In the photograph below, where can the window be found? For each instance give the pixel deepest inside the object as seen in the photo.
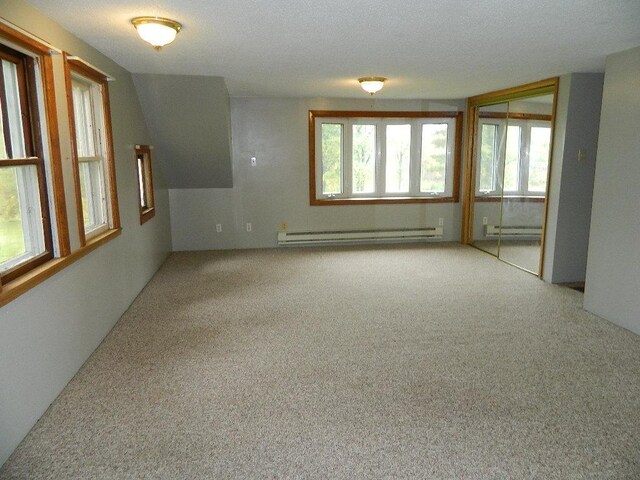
(25, 227)
(524, 145)
(145, 183)
(384, 157)
(94, 167)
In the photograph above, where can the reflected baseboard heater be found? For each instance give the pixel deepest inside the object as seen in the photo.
(513, 231)
(358, 236)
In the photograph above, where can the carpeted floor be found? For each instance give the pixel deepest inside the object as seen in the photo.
(414, 361)
(523, 253)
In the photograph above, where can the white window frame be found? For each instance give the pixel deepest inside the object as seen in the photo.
(500, 145)
(96, 195)
(381, 122)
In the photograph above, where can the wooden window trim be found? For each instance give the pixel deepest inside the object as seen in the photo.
(34, 131)
(148, 213)
(457, 159)
(508, 198)
(24, 41)
(73, 65)
(516, 116)
(13, 289)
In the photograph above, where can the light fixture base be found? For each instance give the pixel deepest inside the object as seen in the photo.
(372, 85)
(157, 31)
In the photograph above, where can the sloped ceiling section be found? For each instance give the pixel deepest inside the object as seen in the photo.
(189, 119)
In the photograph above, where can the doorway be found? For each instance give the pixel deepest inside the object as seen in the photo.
(509, 139)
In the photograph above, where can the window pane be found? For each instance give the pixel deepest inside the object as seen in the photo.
(3, 147)
(398, 158)
(433, 160)
(331, 158)
(93, 201)
(21, 234)
(14, 112)
(512, 159)
(539, 158)
(488, 152)
(364, 158)
(83, 116)
(141, 182)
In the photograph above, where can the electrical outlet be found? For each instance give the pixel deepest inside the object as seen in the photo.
(485, 220)
(218, 227)
(441, 221)
(254, 161)
(249, 227)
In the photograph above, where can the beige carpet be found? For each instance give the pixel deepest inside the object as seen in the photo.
(419, 361)
(523, 253)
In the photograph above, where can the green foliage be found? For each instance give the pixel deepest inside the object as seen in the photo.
(363, 158)
(434, 158)
(11, 239)
(398, 157)
(511, 181)
(539, 158)
(9, 206)
(331, 158)
(488, 155)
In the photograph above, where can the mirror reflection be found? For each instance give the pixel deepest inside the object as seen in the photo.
(513, 141)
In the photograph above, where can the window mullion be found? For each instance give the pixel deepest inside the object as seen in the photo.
(501, 159)
(381, 141)
(415, 157)
(319, 158)
(449, 162)
(5, 114)
(347, 160)
(524, 158)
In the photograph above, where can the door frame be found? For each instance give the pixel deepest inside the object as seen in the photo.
(534, 89)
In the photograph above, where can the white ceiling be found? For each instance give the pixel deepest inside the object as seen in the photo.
(430, 49)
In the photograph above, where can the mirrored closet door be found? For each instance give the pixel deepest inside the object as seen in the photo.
(508, 174)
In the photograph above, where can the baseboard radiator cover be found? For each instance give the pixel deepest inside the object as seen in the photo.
(513, 231)
(359, 236)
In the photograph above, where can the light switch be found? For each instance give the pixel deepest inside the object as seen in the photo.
(582, 155)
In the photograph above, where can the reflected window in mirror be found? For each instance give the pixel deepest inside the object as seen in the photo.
(513, 157)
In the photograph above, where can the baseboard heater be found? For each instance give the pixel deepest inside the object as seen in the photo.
(358, 236)
(513, 231)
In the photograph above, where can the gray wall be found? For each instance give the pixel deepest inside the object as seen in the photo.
(276, 190)
(613, 268)
(190, 125)
(48, 333)
(570, 194)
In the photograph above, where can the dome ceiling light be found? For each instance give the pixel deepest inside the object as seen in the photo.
(156, 30)
(372, 84)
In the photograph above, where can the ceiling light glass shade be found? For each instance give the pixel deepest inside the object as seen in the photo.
(372, 84)
(156, 31)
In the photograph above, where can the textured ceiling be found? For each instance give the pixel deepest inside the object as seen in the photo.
(427, 48)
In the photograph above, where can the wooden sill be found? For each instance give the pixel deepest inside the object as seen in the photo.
(509, 199)
(325, 202)
(12, 290)
(147, 214)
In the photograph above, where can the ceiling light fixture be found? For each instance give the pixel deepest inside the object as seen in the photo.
(372, 84)
(156, 31)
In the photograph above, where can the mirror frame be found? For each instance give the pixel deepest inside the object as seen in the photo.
(542, 87)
